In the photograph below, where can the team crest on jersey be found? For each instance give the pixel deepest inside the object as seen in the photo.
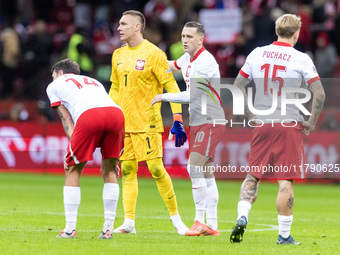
(140, 64)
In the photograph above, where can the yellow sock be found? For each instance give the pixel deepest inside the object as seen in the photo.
(164, 184)
(130, 187)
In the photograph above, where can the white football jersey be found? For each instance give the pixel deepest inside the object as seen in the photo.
(203, 65)
(78, 94)
(272, 68)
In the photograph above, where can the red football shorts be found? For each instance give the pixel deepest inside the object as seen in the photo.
(99, 127)
(205, 138)
(277, 152)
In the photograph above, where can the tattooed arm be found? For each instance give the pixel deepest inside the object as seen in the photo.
(66, 120)
(317, 105)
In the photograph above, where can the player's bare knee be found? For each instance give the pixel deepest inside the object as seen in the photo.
(74, 169)
(107, 171)
(109, 165)
(285, 186)
(252, 177)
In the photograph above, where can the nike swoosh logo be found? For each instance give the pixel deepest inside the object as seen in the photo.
(119, 63)
(148, 152)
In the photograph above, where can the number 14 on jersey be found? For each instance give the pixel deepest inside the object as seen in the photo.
(87, 81)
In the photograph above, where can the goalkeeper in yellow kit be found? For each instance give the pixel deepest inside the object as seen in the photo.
(139, 72)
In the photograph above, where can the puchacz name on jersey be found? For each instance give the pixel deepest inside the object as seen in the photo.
(276, 55)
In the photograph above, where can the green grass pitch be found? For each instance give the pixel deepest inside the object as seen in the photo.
(32, 214)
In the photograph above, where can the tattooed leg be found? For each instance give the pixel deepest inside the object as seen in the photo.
(249, 189)
(285, 198)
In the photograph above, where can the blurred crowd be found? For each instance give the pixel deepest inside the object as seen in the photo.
(34, 34)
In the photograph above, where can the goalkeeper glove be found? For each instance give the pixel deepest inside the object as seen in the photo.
(180, 135)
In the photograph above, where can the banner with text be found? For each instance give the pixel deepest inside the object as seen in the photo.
(41, 148)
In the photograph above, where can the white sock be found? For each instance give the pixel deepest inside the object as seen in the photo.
(212, 201)
(176, 219)
(71, 204)
(243, 209)
(199, 192)
(285, 222)
(110, 200)
(129, 222)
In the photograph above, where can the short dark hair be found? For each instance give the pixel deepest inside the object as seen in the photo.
(139, 15)
(199, 27)
(67, 66)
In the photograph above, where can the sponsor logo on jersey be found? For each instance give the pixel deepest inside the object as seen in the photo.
(140, 64)
(200, 74)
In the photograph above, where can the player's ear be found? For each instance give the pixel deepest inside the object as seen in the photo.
(138, 27)
(201, 40)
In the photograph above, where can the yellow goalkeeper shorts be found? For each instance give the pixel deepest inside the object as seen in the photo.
(142, 146)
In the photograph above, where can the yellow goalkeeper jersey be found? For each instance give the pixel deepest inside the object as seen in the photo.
(138, 75)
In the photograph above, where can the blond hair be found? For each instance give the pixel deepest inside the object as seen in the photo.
(139, 15)
(287, 25)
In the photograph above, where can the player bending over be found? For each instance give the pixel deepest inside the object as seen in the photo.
(90, 119)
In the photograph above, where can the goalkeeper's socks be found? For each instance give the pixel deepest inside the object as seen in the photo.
(243, 209)
(199, 192)
(176, 220)
(110, 200)
(130, 187)
(129, 222)
(71, 204)
(285, 222)
(164, 184)
(212, 202)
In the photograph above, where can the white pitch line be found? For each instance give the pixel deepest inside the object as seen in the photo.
(6, 213)
(144, 231)
(101, 215)
(270, 226)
